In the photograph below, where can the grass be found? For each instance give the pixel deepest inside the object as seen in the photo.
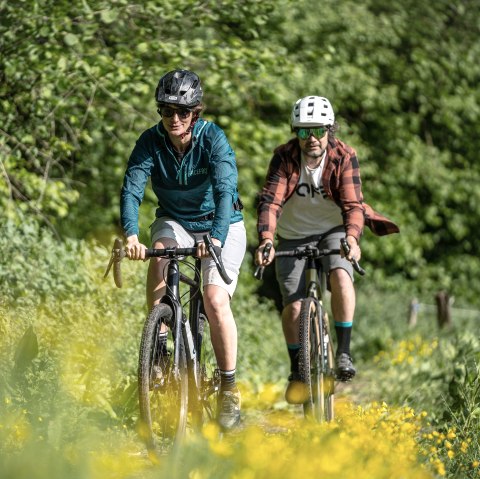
(68, 404)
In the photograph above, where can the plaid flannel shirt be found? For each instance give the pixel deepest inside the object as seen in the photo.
(340, 180)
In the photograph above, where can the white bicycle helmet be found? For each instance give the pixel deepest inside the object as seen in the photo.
(312, 111)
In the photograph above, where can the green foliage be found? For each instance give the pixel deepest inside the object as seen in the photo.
(76, 91)
(76, 87)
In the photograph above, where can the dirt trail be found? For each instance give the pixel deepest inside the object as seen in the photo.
(280, 417)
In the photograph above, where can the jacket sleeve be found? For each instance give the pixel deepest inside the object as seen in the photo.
(272, 199)
(139, 168)
(224, 177)
(350, 196)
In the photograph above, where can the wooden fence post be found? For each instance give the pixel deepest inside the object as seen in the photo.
(412, 313)
(444, 317)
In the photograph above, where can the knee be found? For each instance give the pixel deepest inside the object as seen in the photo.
(216, 303)
(292, 311)
(340, 279)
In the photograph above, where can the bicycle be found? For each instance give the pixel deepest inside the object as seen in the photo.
(316, 360)
(178, 378)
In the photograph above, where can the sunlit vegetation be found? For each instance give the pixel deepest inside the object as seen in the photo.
(68, 402)
(76, 90)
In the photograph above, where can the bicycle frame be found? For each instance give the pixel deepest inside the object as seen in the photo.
(167, 385)
(180, 324)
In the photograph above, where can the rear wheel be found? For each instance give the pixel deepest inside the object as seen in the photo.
(315, 362)
(162, 385)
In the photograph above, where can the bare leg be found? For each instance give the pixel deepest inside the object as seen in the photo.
(223, 329)
(343, 308)
(290, 324)
(155, 278)
(343, 296)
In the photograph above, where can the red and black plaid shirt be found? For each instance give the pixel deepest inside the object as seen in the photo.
(340, 180)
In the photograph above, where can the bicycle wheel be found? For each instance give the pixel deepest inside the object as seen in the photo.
(314, 362)
(328, 367)
(163, 388)
(208, 374)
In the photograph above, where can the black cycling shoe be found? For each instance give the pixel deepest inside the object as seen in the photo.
(297, 391)
(345, 370)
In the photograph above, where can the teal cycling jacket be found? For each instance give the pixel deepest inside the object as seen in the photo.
(203, 185)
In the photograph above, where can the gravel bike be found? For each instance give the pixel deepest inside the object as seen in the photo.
(316, 360)
(178, 378)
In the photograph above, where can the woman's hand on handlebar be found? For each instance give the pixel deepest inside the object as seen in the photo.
(202, 250)
(134, 249)
(265, 253)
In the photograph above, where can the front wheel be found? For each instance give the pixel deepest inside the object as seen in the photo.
(316, 361)
(162, 384)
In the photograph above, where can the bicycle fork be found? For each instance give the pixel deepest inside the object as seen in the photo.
(180, 325)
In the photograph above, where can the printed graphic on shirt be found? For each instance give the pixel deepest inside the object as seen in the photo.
(309, 211)
(306, 189)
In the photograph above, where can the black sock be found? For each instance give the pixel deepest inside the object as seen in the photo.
(293, 350)
(344, 333)
(227, 380)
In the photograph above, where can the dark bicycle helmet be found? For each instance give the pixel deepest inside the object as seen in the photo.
(179, 87)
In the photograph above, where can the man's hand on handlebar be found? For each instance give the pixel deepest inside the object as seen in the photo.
(265, 253)
(354, 253)
(134, 249)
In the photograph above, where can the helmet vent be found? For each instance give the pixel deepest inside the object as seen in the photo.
(312, 111)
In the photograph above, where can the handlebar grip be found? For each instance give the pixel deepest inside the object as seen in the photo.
(216, 254)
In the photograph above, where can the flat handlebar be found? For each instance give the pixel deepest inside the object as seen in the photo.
(118, 253)
(307, 252)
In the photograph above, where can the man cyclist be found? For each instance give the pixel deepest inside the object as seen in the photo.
(313, 193)
(194, 176)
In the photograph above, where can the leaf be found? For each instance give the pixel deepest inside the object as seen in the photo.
(70, 39)
(108, 16)
(27, 350)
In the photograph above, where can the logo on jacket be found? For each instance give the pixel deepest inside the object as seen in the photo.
(199, 171)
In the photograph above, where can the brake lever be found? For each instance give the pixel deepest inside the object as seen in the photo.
(215, 253)
(258, 274)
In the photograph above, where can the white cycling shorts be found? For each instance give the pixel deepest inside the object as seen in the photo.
(233, 250)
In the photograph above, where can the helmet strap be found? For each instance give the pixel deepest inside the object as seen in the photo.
(192, 124)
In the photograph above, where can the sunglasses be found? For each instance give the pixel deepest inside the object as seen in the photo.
(168, 112)
(304, 133)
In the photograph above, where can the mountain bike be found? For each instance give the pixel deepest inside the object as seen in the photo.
(316, 355)
(178, 378)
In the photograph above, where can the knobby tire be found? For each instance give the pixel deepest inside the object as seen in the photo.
(316, 361)
(163, 398)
